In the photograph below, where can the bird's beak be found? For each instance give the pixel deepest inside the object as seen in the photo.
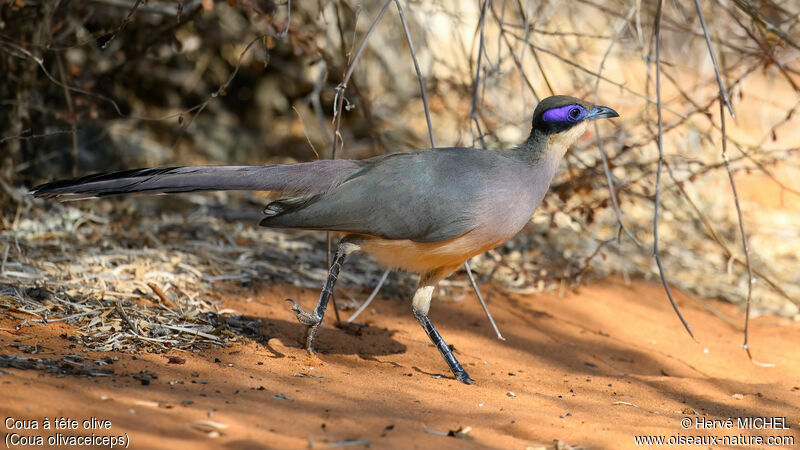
(599, 112)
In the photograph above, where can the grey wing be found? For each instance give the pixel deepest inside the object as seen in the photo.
(423, 196)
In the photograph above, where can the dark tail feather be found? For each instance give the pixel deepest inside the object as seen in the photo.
(303, 178)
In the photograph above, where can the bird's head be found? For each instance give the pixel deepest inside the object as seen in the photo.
(562, 119)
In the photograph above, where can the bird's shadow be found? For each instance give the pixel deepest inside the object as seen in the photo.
(366, 341)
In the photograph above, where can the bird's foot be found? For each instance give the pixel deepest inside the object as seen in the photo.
(312, 323)
(463, 377)
(304, 317)
(308, 340)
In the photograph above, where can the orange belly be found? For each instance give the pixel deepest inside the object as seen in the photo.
(442, 258)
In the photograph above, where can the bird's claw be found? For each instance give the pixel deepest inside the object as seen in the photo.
(302, 316)
(464, 377)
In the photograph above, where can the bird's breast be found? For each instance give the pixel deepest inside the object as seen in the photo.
(442, 257)
(495, 222)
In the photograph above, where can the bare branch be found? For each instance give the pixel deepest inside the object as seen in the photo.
(722, 91)
(658, 173)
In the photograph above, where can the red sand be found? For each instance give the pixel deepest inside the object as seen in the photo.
(594, 368)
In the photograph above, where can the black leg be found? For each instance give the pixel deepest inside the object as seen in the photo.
(459, 372)
(314, 320)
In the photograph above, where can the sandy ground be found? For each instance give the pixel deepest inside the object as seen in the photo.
(593, 368)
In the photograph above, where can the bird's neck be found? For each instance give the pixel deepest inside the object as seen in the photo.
(542, 148)
(533, 150)
(541, 155)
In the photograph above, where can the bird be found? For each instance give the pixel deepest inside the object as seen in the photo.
(425, 211)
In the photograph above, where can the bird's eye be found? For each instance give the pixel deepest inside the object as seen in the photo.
(574, 113)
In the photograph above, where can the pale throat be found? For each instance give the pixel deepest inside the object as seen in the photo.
(559, 143)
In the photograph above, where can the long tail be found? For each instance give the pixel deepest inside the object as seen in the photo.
(302, 178)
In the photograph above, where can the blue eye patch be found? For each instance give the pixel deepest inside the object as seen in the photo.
(565, 114)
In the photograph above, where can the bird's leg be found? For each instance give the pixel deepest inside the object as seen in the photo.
(420, 306)
(313, 319)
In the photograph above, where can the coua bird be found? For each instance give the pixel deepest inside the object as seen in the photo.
(425, 211)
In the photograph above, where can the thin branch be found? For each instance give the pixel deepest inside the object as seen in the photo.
(719, 241)
(122, 25)
(482, 302)
(741, 230)
(25, 135)
(658, 173)
(199, 108)
(713, 58)
(532, 48)
(338, 100)
(748, 9)
(40, 62)
(371, 296)
(517, 60)
(597, 75)
(767, 51)
(473, 114)
(419, 73)
(606, 168)
(164, 10)
(313, 98)
(72, 119)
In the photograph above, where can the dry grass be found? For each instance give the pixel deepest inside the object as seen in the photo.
(121, 294)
